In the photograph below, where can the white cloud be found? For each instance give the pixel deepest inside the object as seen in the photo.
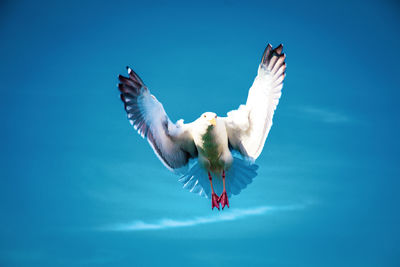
(231, 215)
(325, 115)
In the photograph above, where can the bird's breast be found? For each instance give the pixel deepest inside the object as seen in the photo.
(213, 149)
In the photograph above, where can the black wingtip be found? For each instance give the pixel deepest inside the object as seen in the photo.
(129, 70)
(134, 76)
(266, 53)
(279, 49)
(270, 52)
(123, 79)
(122, 98)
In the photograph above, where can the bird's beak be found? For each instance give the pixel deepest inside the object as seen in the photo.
(213, 122)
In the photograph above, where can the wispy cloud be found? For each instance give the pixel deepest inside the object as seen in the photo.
(231, 215)
(325, 115)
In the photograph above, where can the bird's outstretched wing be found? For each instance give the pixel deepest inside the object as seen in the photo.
(249, 125)
(172, 143)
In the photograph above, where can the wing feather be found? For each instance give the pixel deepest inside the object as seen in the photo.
(248, 126)
(172, 143)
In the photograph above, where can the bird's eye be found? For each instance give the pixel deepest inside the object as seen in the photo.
(204, 116)
(215, 116)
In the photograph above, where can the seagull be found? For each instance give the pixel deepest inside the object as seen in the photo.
(213, 155)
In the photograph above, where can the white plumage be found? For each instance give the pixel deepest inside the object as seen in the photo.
(210, 140)
(248, 126)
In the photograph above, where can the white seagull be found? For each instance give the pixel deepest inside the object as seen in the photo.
(211, 146)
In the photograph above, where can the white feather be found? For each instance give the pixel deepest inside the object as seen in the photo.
(248, 126)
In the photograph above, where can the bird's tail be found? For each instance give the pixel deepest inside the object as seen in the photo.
(237, 178)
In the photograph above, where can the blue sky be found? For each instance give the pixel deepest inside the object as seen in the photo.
(80, 188)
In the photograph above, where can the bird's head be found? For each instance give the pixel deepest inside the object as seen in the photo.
(203, 125)
(208, 119)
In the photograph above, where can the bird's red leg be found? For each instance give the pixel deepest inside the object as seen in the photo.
(214, 200)
(223, 199)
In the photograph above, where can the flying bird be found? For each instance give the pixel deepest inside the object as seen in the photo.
(214, 155)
